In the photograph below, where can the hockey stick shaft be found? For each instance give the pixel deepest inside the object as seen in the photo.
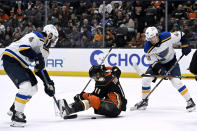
(167, 76)
(46, 81)
(142, 74)
(168, 72)
(99, 64)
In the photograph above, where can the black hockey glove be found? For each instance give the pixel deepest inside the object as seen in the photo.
(158, 69)
(50, 88)
(40, 64)
(116, 71)
(78, 97)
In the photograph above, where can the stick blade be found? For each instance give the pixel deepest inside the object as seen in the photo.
(70, 116)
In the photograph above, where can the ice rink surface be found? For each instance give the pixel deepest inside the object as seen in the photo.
(166, 111)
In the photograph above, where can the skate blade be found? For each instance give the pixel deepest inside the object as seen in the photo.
(17, 124)
(9, 113)
(70, 117)
(191, 109)
(135, 108)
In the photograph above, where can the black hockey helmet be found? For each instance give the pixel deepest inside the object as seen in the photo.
(95, 69)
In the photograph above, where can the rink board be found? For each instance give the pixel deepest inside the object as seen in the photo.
(76, 62)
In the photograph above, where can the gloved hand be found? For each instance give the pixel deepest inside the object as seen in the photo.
(158, 69)
(40, 64)
(78, 97)
(186, 50)
(50, 88)
(116, 71)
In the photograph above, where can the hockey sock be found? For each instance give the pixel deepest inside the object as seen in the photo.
(20, 102)
(184, 92)
(145, 92)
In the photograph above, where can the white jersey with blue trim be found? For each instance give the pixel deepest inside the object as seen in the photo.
(163, 51)
(34, 40)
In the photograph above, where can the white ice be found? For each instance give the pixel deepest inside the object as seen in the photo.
(166, 111)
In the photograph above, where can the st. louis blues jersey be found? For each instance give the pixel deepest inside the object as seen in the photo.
(163, 51)
(33, 40)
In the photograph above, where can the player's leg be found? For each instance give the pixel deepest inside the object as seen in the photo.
(34, 89)
(22, 81)
(146, 88)
(182, 89)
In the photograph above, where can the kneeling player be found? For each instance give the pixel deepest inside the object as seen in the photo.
(107, 98)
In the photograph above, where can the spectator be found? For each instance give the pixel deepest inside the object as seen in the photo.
(85, 37)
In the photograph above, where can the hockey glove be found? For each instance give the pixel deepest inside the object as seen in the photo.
(40, 64)
(186, 49)
(158, 69)
(50, 88)
(78, 97)
(116, 71)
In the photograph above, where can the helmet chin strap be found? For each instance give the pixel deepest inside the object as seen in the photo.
(48, 43)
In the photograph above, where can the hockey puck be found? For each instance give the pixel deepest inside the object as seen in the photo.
(70, 116)
(93, 117)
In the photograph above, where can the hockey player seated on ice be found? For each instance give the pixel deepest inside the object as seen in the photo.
(161, 55)
(107, 99)
(33, 47)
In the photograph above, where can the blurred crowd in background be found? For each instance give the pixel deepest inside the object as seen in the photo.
(80, 23)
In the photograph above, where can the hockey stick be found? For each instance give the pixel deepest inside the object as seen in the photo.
(55, 100)
(99, 64)
(168, 72)
(142, 74)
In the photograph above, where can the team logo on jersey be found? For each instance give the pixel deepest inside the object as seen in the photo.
(31, 39)
(96, 57)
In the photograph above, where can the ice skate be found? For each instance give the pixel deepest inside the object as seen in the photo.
(18, 119)
(12, 110)
(191, 106)
(142, 105)
(64, 108)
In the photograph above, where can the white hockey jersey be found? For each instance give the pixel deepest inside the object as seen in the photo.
(164, 50)
(34, 40)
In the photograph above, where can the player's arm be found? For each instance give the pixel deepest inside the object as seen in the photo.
(180, 37)
(26, 50)
(114, 70)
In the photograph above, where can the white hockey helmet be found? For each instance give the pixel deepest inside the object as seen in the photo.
(51, 29)
(151, 32)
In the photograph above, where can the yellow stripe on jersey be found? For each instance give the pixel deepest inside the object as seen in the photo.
(11, 55)
(184, 45)
(23, 48)
(41, 39)
(150, 49)
(166, 39)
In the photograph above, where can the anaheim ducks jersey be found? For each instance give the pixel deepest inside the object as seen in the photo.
(163, 51)
(109, 84)
(34, 40)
